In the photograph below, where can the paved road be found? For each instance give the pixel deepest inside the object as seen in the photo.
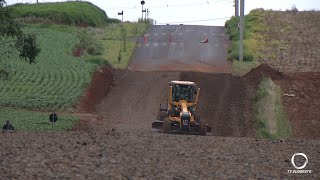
(179, 47)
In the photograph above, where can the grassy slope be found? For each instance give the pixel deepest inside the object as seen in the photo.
(254, 41)
(72, 13)
(272, 121)
(286, 40)
(112, 42)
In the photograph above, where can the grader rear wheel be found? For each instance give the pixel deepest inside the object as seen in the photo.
(166, 129)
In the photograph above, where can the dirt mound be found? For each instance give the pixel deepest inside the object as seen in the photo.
(264, 70)
(98, 89)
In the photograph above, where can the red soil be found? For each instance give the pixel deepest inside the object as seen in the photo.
(98, 89)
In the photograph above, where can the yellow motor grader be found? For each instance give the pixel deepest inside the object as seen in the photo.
(180, 115)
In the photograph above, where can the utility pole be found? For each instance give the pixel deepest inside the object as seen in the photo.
(236, 8)
(142, 3)
(121, 14)
(241, 30)
(145, 14)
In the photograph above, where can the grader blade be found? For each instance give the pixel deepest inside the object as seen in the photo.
(157, 125)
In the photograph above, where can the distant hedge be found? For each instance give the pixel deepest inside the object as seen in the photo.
(71, 12)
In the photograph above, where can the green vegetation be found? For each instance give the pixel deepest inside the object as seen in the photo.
(253, 40)
(12, 35)
(71, 13)
(55, 82)
(57, 79)
(272, 122)
(116, 43)
(33, 121)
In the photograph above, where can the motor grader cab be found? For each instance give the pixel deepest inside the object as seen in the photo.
(180, 114)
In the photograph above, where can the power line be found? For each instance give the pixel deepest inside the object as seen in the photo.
(192, 4)
(167, 5)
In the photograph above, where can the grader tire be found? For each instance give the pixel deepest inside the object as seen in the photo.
(203, 128)
(166, 129)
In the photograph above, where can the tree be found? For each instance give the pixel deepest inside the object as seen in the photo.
(10, 29)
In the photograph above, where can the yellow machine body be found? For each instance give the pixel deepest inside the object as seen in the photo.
(180, 114)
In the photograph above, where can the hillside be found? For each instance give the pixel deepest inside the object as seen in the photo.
(71, 13)
(286, 40)
(66, 65)
(293, 42)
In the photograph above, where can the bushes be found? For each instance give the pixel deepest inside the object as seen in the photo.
(252, 37)
(87, 44)
(234, 52)
(71, 13)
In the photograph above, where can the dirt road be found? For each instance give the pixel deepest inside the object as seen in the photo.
(134, 100)
(179, 48)
(225, 101)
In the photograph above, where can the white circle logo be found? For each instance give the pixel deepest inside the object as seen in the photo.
(299, 154)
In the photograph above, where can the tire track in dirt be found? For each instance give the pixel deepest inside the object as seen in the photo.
(217, 116)
(225, 102)
(133, 102)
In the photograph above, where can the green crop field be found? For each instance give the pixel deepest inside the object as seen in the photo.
(55, 82)
(71, 13)
(33, 121)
